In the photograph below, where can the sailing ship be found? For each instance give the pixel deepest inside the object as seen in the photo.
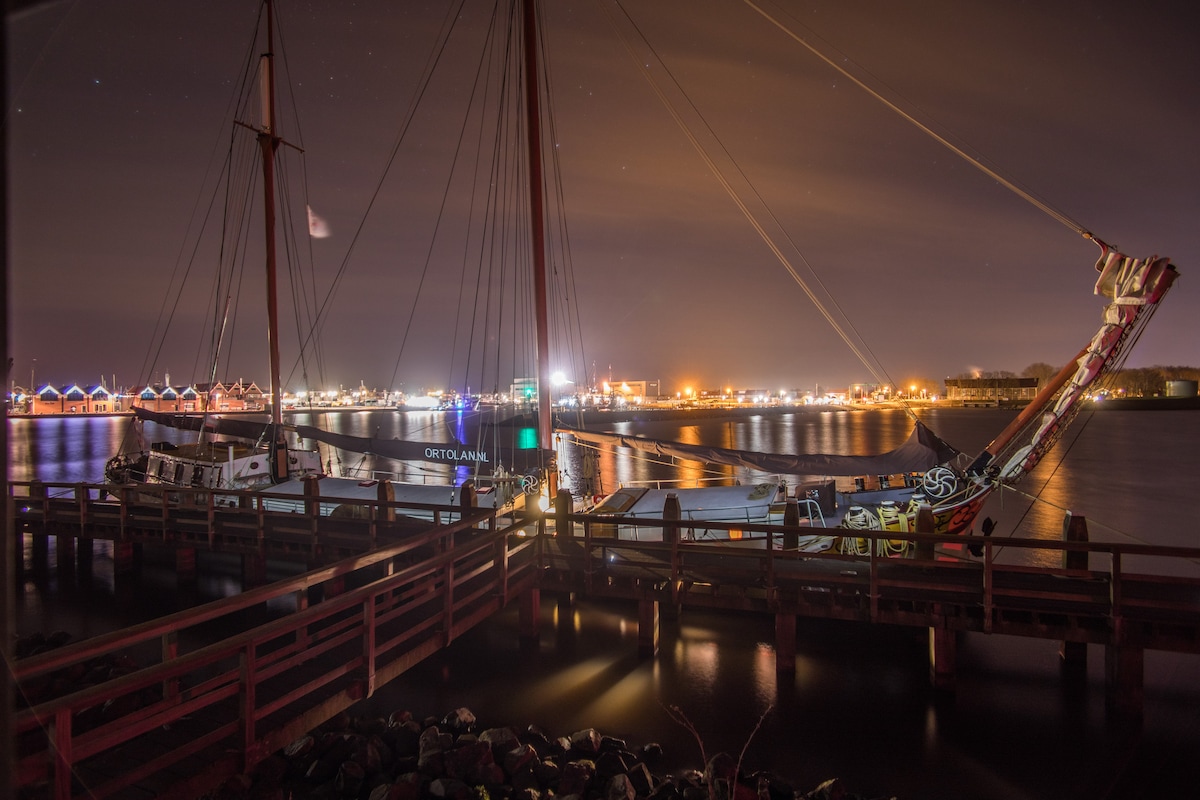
(931, 474)
(891, 491)
(238, 453)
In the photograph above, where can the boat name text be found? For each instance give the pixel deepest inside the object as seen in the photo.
(451, 454)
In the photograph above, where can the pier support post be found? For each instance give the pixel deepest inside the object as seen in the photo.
(647, 627)
(185, 564)
(84, 555)
(943, 652)
(1124, 668)
(64, 549)
(125, 558)
(925, 524)
(40, 554)
(1073, 655)
(562, 507)
(254, 570)
(671, 513)
(791, 536)
(529, 615)
(785, 643)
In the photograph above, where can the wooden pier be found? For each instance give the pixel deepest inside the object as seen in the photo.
(186, 709)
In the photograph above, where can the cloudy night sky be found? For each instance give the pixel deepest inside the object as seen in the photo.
(116, 108)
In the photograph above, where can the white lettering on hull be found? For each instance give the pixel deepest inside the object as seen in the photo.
(451, 454)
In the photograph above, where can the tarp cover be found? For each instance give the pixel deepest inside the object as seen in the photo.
(251, 428)
(922, 451)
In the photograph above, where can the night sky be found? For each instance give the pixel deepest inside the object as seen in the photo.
(115, 108)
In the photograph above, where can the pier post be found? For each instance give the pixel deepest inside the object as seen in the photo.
(943, 652)
(39, 554)
(1073, 655)
(185, 564)
(125, 558)
(529, 616)
(785, 643)
(84, 555)
(386, 495)
(1124, 668)
(647, 627)
(671, 512)
(254, 570)
(925, 524)
(64, 549)
(562, 507)
(791, 538)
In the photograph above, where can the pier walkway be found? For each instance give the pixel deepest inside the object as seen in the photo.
(174, 706)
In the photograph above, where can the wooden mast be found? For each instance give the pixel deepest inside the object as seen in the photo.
(537, 228)
(269, 142)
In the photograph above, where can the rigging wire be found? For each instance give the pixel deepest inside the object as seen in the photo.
(974, 160)
(855, 343)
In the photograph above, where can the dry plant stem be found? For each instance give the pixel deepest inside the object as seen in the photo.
(676, 714)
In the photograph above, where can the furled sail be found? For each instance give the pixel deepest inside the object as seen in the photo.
(456, 453)
(922, 451)
(452, 453)
(251, 428)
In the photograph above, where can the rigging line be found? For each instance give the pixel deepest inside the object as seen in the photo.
(488, 191)
(867, 358)
(452, 13)
(569, 308)
(960, 152)
(223, 145)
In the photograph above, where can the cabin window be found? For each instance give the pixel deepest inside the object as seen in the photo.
(178, 474)
(197, 475)
(161, 470)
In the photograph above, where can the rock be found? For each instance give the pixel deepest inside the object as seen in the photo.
(349, 779)
(720, 767)
(458, 721)
(467, 762)
(612, 743)
(450, 789)
(667, 790)
(576, 777)
(501, 740)
(397, 719)
(652, 752)
(548, 772)
(831, 789)
(642, 780)
(586, 742)
(772, 787)
(620, 788)
(518, 758)
(610, 764)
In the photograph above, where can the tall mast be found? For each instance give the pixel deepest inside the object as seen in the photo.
(537, 223)
(269, 142)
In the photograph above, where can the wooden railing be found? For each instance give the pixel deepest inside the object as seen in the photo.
(233, 520)
(1125, 593)
(218, 679)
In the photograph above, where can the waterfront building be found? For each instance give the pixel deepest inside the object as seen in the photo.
(991, 391)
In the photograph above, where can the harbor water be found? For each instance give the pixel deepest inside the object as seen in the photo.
(859, 705)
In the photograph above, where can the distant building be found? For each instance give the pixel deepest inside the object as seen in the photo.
(73, 399)
(991, 391)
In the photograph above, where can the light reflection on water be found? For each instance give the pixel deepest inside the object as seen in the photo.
(858, 706)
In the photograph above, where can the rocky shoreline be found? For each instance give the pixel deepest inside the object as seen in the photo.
(453, 758)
